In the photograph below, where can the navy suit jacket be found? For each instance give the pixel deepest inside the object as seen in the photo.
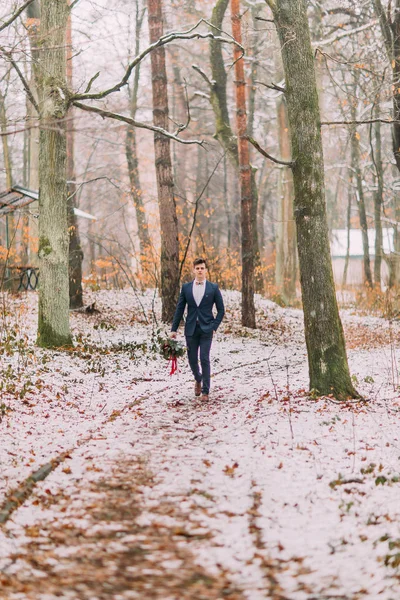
(202, 313)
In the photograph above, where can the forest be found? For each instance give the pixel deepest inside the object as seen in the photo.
(263, 138)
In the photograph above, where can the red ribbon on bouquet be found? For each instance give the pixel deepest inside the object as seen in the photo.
(174, 365)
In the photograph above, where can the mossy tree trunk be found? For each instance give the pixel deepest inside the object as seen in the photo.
(248, 308)
(328, 368)
(75, 248)
(53, 328)
(165, 183)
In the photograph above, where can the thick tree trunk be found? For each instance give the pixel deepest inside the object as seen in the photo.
(328, 368)
(53, 329)
(286, 253)
(165, 184)
(75, 249)
(248, 308)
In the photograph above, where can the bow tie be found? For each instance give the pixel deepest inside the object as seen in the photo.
(199, 282)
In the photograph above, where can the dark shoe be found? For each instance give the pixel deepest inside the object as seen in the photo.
(197, 388)
(204, 397)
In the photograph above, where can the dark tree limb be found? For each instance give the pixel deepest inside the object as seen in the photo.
(364, 122)
(134, 123)
(265, 153)
(271, 86)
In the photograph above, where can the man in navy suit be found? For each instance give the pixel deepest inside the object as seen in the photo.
(200, 296)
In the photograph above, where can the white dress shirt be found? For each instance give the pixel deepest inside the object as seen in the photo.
(198, 291)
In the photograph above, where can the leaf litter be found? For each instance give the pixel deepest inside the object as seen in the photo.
(263, 492)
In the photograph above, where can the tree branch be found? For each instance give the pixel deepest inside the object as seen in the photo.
(25, 84)
(355, 122)
(118, 117)
(202, 73)
(272, 86)
(190, 34)
(16, 15)
(264, 153)
(344, 34)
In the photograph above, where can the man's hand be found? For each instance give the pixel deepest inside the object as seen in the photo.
(173, 335)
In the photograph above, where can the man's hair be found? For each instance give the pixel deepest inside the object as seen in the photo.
(199, 261)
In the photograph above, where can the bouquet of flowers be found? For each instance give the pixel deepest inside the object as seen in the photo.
(171, 350)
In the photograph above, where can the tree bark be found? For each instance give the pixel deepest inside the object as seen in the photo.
(10, 224)
(224, 133)
(355, 150)
(248, 308)
(328, 368)
(75, 249)
(391, 36)
(348, 227)
(31, 135)
(53, 328)
(165, 184)
(131, 154)
(378, 201)
(286, 253)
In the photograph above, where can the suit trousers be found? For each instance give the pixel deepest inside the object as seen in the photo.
(200, 341)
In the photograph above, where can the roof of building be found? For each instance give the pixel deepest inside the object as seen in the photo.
(19, 197)
(339, 242)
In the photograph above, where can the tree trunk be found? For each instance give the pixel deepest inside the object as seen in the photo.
(165, 184)
(348, 227)
(328, 368)
(224, 133)
(53, 329)
(133, 161)
(378, 200)
(31, 134)
(355, 161)
(286, 254)
(391, 36)
(10, 225)
(355, 149)
(248, 308)
(75, 249)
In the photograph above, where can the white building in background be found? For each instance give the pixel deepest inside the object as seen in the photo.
(355, 272)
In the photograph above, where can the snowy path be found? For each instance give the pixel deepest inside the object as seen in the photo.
(269, 493)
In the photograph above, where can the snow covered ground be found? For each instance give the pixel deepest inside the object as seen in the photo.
(264, 491)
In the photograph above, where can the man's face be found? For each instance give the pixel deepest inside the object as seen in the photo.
(200, 272)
